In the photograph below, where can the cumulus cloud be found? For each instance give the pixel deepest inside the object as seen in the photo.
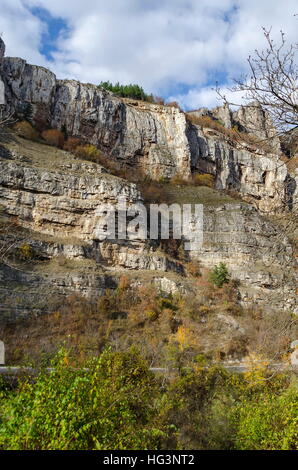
(177, 48)
(206, 97)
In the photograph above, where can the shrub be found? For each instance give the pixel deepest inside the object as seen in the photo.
(126, 91)
(234, 134)
(179, 179)
(153, 192)
(25, 252)
(173, 247)
(219, 275)
(26, 130)
(53, 137)
(88, 152)
(270, 423)
(205, 121)
(71, 144)
(193, 268)
(173, 104)
(204, 180)
(108, 404)
(124, 282)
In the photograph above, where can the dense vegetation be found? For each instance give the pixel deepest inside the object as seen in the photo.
(126, 91)
(115, 402)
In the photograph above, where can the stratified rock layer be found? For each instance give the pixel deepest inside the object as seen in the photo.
(60, 198)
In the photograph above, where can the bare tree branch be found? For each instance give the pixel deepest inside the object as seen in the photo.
(271, 83)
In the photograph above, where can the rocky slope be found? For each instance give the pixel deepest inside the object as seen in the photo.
(55, 196)
(157, 138)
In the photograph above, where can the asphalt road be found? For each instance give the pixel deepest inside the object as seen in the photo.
(236, 367)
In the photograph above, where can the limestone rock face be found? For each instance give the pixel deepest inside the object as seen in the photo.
(27, 84)
(140, 134)
(256, 252)
(2, 48)
(2, 86)
(2, 92)
(57, 203)
(224, 114)
(151, 137)
(61, 199)
(260, 178)
(63, 204)
(254, 120)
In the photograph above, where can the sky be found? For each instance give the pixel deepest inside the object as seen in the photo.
(177, 49)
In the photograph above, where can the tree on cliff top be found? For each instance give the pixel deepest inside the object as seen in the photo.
(126, 91)
(272, 82)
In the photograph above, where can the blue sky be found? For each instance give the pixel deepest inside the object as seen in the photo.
(54, 28)
(174, 48)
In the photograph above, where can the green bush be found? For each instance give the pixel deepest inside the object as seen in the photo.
(219, 275)
(109, 404)
(269, 423)
(126, 91)
(25, 252)
(114, 402)
(89, 152)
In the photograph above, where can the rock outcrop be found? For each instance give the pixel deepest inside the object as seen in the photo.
(2, 86)
(156, 138)
(260, 178)
(52, 194)
(224, 115)
(256, 252)
(60, 198)
(57, 203)
(253, 119)
(2, 48)
(150, 136)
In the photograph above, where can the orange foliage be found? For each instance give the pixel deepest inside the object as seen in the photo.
(26, 130)
(71, 144)
(53, 137)
(203, 180)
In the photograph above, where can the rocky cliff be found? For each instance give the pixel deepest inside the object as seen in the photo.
(151, 136)
(157, 138)
(54, 196)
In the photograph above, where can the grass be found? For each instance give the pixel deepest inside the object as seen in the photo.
(185, 194)
(233, 134)
(41, 155)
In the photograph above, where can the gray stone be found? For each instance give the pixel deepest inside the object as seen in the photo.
(148, 135)
(2, 353)
(259, 177)
(294, 354)
(62, 201)
(255, 120)
(2, 93)
(224, 115)
(2, 48)
(154, 138)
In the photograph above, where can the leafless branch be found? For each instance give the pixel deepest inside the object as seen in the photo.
(271, 83)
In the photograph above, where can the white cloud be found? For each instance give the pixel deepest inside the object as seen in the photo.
(207, 97)
(21, 31)
(159, 44)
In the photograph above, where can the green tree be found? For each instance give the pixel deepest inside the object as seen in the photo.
(108, 404)
(219, 275)
(126, 91)
(269, 421)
